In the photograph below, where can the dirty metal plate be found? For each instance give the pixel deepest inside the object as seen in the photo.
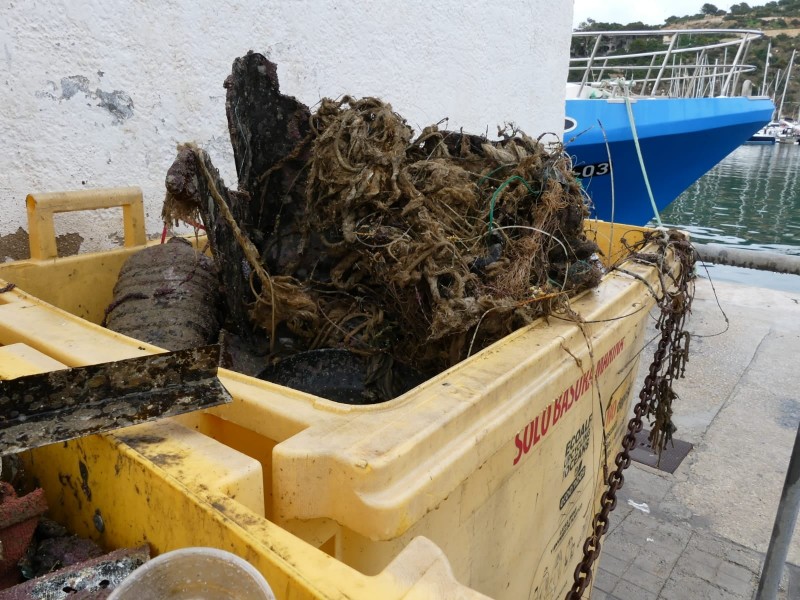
(87, 579)
(671, 457)
(36, 410)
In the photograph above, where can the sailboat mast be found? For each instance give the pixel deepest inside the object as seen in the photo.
(786, 83)
(766, 70)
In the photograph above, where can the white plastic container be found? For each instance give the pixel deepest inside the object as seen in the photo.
(195, 574)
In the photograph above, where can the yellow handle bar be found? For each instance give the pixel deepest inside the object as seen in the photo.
(42, 207)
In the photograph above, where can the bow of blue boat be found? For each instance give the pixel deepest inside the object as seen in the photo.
(680, 139)
(641, 127)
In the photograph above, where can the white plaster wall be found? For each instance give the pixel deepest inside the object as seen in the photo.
(98, 93)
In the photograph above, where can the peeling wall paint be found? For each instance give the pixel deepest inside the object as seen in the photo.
(16, 246)
(98, 94)
(118, 103)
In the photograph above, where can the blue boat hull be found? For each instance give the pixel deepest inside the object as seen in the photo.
(680, 138)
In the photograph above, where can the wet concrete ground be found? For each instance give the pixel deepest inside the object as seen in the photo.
(702, 532)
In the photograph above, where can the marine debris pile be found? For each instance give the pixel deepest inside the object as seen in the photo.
(349, 232)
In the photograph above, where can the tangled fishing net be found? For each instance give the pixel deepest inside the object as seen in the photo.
(424, 249)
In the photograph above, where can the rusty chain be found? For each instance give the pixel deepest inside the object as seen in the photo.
(655, 398)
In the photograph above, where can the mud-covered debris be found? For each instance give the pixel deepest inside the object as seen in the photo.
(48, 528)
(167, 295)
(348, 230)
(343, 376)
(61, 551)
(61, 405)
(92, 578)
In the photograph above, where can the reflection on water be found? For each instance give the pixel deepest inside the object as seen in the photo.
(751, 198)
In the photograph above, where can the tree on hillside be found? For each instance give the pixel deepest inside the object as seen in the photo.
(709, 9)
(740, 9)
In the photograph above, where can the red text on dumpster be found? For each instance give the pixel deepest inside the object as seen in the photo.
(543, 423)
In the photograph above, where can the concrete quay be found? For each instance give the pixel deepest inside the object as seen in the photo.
(702, 532)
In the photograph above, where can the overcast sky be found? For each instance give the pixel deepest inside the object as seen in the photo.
(649, 12)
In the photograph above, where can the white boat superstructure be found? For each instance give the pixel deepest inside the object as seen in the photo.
(780, 132)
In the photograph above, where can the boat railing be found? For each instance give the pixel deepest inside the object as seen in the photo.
(688, 63)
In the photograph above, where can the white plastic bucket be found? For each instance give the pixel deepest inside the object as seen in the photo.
(195, 574)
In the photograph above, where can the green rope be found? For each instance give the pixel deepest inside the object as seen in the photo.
(641, 159)
(497, 192)
(490, 173)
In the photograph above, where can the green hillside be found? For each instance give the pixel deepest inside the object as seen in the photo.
(780, 21)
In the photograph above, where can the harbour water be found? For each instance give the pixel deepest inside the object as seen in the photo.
(749, 200)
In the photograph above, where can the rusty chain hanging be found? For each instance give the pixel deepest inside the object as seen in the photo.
(655, 399)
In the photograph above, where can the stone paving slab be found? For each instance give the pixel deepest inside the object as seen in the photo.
(701, 532)
(645, 557)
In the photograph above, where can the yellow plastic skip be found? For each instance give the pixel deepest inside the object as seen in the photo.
(482, 481)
